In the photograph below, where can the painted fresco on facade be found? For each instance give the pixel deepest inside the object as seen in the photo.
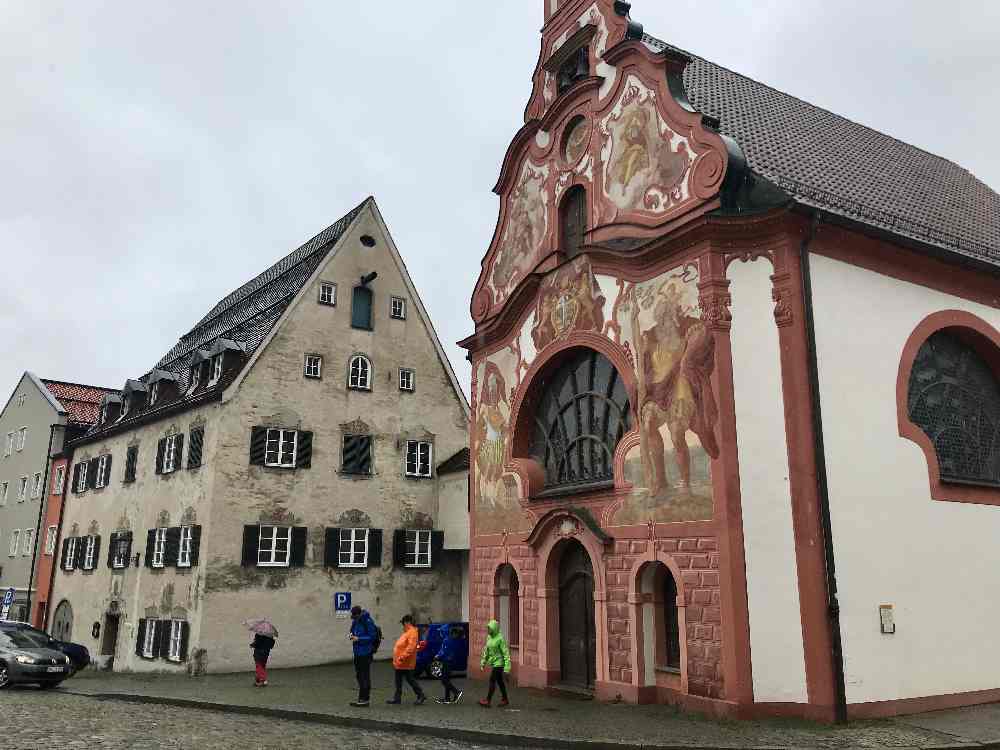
(525, 230)
(568, 300)
(646, 164)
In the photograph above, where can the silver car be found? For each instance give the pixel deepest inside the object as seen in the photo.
(25, 657)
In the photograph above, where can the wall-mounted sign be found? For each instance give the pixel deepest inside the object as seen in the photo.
(887, 622)
(342, 604)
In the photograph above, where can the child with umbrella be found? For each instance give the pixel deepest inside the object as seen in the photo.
(264, 634)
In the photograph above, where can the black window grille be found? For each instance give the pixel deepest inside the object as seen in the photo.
(357, 457)
(573, 218)
(582, 413)
(954, 397)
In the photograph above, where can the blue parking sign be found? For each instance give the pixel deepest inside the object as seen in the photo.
(8, 597)
(342, 601)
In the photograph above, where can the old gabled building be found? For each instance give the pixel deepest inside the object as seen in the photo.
(736, 416)
(284, 450)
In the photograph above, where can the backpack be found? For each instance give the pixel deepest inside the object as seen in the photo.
(377, 639)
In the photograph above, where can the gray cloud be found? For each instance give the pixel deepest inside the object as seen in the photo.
(155, 156)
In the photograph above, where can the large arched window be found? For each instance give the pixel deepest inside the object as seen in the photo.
(581, 413)
(573, 220)
(954, 397)
(360, 377)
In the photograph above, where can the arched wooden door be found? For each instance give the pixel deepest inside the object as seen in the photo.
(62, 622)
(577, 634)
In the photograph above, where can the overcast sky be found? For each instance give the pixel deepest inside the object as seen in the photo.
(155, 155)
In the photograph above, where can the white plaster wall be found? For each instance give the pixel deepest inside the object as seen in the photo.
(453, 509)
(936, 562)
(776, 650)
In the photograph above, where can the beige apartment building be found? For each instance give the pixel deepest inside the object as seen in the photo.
(285, 450)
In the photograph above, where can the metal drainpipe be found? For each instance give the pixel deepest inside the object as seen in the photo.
(833, 604)
(42, 502)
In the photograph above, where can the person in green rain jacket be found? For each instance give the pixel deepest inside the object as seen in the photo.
(496, 656)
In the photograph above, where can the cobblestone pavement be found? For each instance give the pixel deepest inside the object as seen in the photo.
(32, 719)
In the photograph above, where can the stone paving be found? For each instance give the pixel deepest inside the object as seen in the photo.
(324, 692)
(35, 720)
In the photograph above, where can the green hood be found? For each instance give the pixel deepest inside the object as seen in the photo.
(493, 628)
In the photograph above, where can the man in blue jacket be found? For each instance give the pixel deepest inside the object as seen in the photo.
(364, 636)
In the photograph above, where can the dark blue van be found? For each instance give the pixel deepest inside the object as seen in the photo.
(431, 637)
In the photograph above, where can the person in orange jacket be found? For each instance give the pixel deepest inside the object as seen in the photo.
(404, 661)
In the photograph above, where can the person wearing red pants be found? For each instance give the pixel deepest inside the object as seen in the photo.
(262, 645)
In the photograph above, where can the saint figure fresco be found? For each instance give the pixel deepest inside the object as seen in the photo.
(525, 229)
(492, 421)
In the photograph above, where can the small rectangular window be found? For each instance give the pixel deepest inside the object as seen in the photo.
(281, 448)
(59, 481)
(121, 551)
(148, 643)
(50, 540)
(353, 548)
(22, 438)
(15, 540)
(171, 459)
(327, 293)
(397, 308)
(418, 548)
(69, 562)
(357, 458)
(131, 459)
(3, 493)
(159, 548)
(313, 366)
(184, 553)
(10, 444)
(36, 485)
(275, 546)
(29, 538)
(22, 489)
(405, 379)
(89, 552)
(418, 458)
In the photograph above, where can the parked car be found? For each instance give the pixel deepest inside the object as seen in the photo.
(27, 658)
(431, 636)
(78, 655)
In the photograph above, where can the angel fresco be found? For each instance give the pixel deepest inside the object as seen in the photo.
(523, 235)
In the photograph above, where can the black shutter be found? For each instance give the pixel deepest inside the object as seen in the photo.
(112, 546)
(437, 547)
(361, 308)
(97, 551)
(76, 478)
(159, 626)
(195, 544)
(131, 462)
(78, 552)
(128, 547)
(150, 545)
(178, 451)
(258, 445)
(185, 635)
(251, 544)
(194, 452)
(92, 473)
(331, 549)
(298, 552)
(107, 473)
(140, 637)
(399, 548)
(160, 449)
(64, 555)
(357, 454)
(304, 451)
(172, 548)
(374, 548)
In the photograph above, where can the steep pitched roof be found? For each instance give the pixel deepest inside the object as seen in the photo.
(80, 402)
(829, 162)
(456, 463)
(245, 316)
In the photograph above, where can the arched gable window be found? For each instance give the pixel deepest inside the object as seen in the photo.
(573, 220)
(954, 397)
(581, 413)
(360, 377)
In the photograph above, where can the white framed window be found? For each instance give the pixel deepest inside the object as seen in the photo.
(281, 447)
(327, 293)
(22, 489)
(59, 480)
(20, 399)
(184, 553)
(195, 377)
(124, 406)
(81, 477)
(149, 639)
(170, 457)
(159, 548)
(15, 540)
(3, 492)
(313, 366)
(28, 542)
(405, 379)
(50, 540)
(119, 558)
(36, 485)
(215, 369)
(10, 444)
(419, 455)
(353, 548)
(176, 635)
(154, 392)
(22, 438)
(418, 548)
(397, 308)
(70, 553)
(102, 478)
(89, 551)
(275, 546)
(361, 373)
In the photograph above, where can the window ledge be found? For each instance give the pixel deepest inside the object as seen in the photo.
(350, 475)
(668, 670)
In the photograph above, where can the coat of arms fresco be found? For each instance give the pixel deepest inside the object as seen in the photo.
(569, 300)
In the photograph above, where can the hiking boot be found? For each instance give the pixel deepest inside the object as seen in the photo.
(442, 701)
(484, 703)
(360, 704)
(504, 703)
(458, 696)
(264, 683)
(394, 701)
(421, 699)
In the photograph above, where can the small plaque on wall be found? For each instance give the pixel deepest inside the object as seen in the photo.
(887, 621)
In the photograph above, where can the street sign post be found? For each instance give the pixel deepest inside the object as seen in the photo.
(342, 604)
(8, 600)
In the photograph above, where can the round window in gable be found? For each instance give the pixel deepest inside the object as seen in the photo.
(367, 240)
(576, 138)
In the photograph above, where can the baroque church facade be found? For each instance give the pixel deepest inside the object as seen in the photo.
(733, 382)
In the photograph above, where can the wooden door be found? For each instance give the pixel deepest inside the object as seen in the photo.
(578, 638)
(62, 622)
(109, 642)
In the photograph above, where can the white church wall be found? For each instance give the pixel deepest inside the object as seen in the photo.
(776, 649)
(937, 563)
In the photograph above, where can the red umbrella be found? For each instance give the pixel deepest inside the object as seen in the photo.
(262, 626)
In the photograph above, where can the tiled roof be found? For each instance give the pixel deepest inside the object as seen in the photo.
(831, 163)
(246, 316)
(81, 402)
(458, 462)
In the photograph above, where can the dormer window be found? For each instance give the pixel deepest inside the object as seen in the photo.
(103, 418)
(154, 392)
(575, 68)
(215, 369)
(195, 377)
(124, 405)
